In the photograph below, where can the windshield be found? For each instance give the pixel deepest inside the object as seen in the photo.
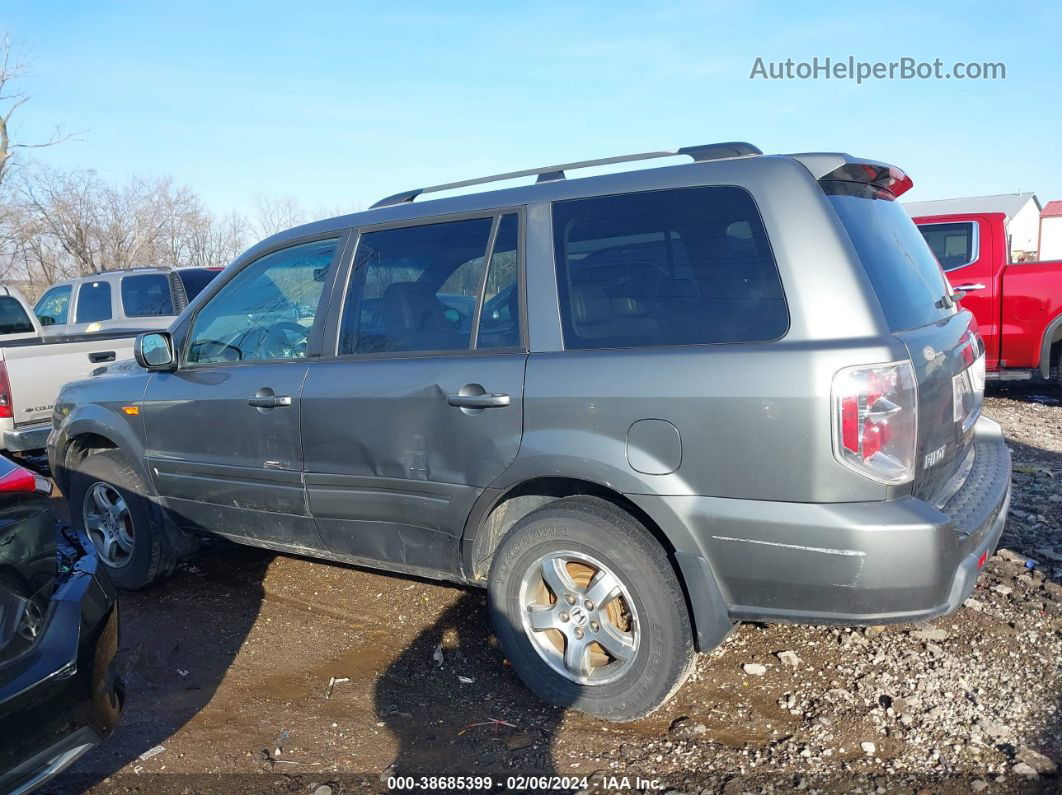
(906, 276)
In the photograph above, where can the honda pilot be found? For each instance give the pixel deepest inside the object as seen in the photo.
(637, 408)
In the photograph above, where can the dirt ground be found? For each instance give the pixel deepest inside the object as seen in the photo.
(229, 663)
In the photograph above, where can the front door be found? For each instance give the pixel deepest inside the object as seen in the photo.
(422, 407)
(223, 440)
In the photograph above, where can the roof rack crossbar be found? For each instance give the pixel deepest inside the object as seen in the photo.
(699, 154)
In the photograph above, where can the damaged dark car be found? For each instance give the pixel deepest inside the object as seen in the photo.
(59, 692)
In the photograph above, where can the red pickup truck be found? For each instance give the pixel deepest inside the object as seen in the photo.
(1018, 305)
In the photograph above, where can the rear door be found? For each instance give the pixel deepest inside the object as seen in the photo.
(223, 437)
(421, 408)
(969, 256)
(945, 350)
(94, 306)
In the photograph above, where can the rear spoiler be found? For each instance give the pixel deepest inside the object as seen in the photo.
(839, 167)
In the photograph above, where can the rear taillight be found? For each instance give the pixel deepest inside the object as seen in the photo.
(6, 401)
(20, 480)
(875, 420)
(968, 387)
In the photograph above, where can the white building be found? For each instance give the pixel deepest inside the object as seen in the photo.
(1051, 231)
(1022, 211)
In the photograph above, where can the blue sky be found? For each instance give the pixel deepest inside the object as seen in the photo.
(339, 103)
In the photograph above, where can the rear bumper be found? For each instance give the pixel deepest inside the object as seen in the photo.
(849, 563)
(62, 696)
(30, 437)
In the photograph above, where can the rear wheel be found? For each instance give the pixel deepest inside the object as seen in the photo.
(109, 504)
(589, 611)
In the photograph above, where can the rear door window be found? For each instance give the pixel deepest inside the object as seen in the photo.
(93, 302)
(954, 244)
(147, 295)
(416, 288)
(907, 278)
(689, 266)
(13, 318)
(54, 306)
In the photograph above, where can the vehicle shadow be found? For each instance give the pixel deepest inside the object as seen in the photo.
(457, 709)
(171, 662)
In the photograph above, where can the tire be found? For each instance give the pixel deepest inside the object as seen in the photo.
(646, 620)
(1058, 370)
(130, 545)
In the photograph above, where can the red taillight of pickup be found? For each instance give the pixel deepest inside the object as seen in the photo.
(875, 421)
(6, 401)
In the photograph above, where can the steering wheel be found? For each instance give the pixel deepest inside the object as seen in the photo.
(282, 340)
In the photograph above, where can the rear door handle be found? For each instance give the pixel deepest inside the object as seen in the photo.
(101, 356)
(492, 401)
(271, 402)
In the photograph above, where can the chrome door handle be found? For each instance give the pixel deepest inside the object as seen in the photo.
(492, 401)
(271, 402)
(968, 287)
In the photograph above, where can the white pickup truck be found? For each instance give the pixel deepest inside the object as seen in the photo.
(33, 368)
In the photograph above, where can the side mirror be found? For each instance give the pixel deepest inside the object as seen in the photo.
(154, 351)
(46, 320)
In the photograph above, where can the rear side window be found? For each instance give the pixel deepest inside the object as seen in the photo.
(147, 295)
(954, 245)
(93, 302)
(689, 266)
(906, 276)
(13, 318)
(54, 306)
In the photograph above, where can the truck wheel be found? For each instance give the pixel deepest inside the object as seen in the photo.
(589, 611)
(108, 502)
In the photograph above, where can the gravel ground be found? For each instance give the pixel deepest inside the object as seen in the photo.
(229, 665)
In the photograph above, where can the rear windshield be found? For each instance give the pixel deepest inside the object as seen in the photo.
(195, 279)
(688, 266)
(147, 295)
(906, 276)
(13, 318)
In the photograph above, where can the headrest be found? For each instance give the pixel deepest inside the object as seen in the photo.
(410, 306)
(590, 305)
(628, 307)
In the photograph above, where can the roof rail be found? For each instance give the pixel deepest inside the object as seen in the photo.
(551, 173)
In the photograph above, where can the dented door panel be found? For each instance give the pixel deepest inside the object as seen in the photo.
(392, 469)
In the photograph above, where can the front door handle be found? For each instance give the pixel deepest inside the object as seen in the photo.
(968, 287)
(101, 356)
(491, 401)
(270, 401)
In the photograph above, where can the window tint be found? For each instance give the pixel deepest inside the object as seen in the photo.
(53, 307)
(147, 295)
(673, 267)
(93, 302)
(906, 276)
(499, 320)
(415, 288)
(266, 311)
(13, 318)
(196, 279)
(952, 244)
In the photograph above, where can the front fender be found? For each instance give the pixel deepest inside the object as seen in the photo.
(98, 420)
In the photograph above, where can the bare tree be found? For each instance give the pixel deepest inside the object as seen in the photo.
(274, 214)
(11, 69)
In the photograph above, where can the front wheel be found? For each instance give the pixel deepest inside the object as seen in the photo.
(589, 611)
(109, 504)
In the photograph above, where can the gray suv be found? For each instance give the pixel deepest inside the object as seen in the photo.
(637, 408)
